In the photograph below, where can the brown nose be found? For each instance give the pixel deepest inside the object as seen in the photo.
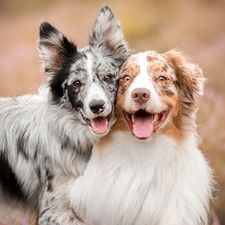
(140, 95)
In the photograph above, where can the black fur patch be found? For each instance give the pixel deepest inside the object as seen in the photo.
(46, 30)
(72, 94)
(9, 182)
(39, 173)
(50, 186)
(61, 75)
(65, 55)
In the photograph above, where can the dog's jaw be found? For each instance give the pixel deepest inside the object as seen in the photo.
(144, 124)
(99, 125)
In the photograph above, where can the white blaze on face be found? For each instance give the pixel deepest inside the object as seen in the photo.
(94, 92)
(143, 80)
(90, 66)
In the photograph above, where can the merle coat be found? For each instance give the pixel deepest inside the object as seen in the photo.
(46, 138)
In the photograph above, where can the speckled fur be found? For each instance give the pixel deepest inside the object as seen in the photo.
(43, 137)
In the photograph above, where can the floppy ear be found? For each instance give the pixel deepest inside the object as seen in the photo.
(107, 33)
(54, 48)
(189, 76)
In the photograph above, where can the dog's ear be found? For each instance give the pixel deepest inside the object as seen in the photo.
(54, 47)
(189, 76)
(107, 33)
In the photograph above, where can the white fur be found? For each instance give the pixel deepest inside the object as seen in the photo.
(158, 182)
(90, 65)
(96, 92)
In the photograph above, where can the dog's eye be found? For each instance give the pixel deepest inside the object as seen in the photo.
(107, 78)
(161, 78)
(77, 83)
(126, 78)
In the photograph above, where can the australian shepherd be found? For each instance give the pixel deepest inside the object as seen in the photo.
(149, 170)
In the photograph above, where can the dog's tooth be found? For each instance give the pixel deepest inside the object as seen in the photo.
(133, 118)
(155, 117)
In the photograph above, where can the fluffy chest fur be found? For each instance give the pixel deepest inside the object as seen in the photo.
(156, 182)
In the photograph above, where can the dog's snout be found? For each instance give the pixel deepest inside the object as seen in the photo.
(140, 95)
(97, 106)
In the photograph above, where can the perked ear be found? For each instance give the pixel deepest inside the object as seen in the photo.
(190, 79)
(54, 47)
(108, 33)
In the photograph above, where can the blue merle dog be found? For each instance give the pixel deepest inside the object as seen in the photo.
(46, 138)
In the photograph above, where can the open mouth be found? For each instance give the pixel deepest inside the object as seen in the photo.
(143, 123)
(99, 125)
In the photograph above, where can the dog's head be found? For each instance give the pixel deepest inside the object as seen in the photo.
(85, 81)
(157, 93)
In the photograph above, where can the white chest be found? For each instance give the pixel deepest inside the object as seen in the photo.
(152, 183)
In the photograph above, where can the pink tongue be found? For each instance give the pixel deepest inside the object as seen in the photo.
(99, 125)
(143, 126)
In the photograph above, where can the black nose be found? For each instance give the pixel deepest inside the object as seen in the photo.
(140, 95)
(97, 106)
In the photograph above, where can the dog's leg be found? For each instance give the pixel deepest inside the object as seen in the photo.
(55, 203)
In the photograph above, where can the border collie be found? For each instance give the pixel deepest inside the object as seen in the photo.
(149, 170)
(51, 133)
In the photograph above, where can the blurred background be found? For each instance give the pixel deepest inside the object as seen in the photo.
(196, 27)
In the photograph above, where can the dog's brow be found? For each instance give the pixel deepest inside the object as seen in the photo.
(78, 69)
(155, 67)
(130, 66)
(165, 67)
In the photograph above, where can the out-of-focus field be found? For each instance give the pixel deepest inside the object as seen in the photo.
(196, 27)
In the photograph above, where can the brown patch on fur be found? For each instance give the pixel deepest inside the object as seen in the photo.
(165, 67)
(189, 77)
(151, 58)
(156, 67)
(121, 95)
(132, 69)
(189, 81)
(175, 128)
(168, 93)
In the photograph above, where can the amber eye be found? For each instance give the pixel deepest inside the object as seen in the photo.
(161, 78)
(126, 78)
(107, 78)
(77, 83)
